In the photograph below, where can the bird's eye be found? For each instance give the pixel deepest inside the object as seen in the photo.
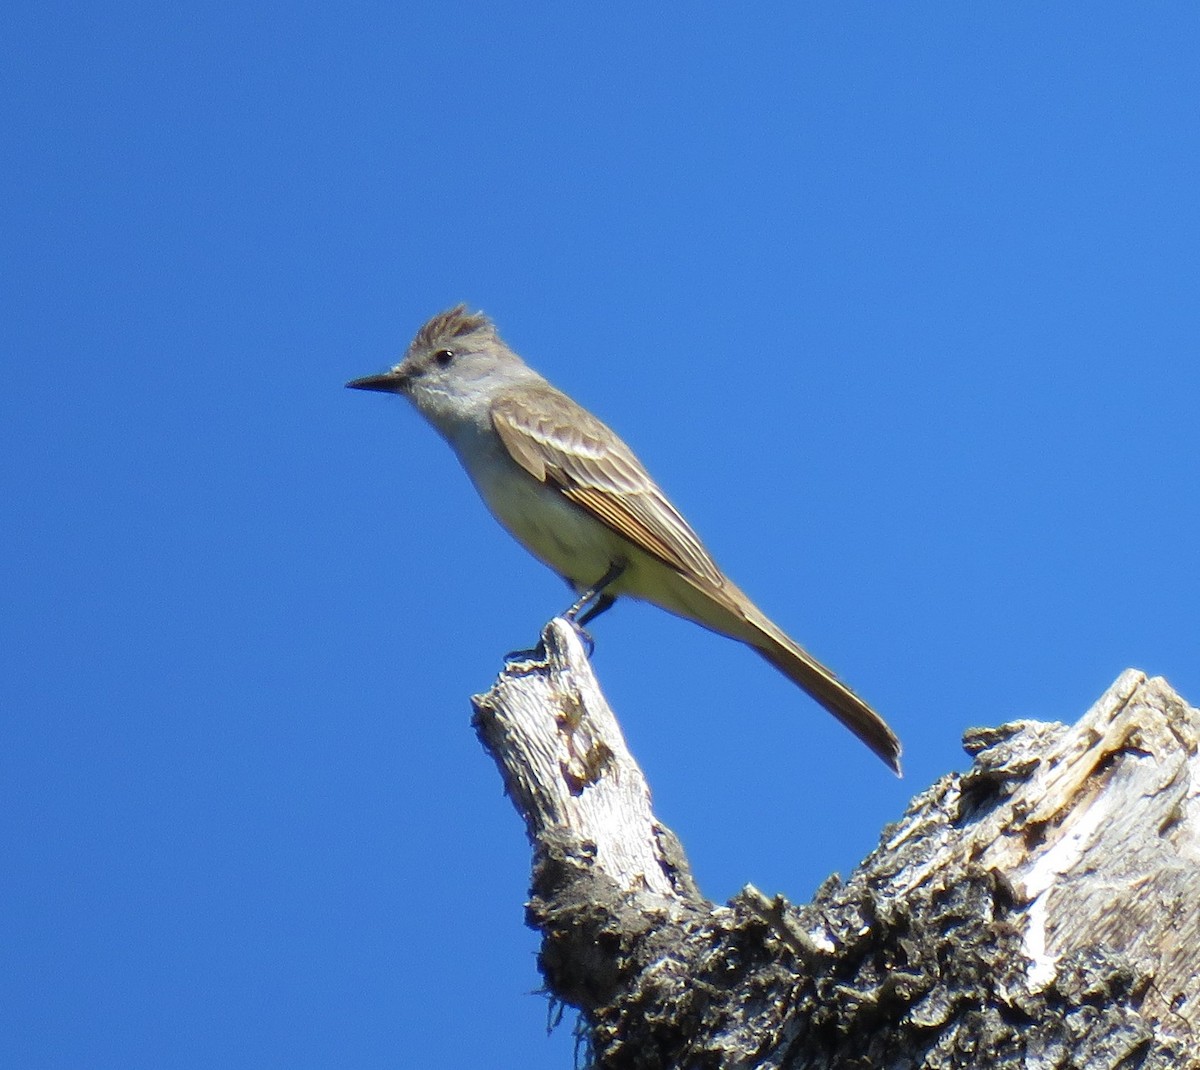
(443, 357)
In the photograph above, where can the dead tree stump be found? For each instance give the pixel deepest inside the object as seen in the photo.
(1040, 911)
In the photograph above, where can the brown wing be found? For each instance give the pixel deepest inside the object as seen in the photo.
(557, 441)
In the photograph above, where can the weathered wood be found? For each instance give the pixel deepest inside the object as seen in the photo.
(607, 874)
(1041, 910)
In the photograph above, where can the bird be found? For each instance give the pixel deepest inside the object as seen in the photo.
(576, 497)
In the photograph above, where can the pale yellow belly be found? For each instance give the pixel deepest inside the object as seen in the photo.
(581, 549)
(574, 544)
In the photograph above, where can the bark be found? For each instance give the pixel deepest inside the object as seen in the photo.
(1041, 910)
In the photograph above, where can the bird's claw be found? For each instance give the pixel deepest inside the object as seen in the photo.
(536, 653)
(585, 637)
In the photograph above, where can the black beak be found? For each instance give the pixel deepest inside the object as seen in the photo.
(387, 383)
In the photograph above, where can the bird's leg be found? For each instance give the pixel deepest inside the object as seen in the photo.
(595, 593)
(602, 604)
(599, 602)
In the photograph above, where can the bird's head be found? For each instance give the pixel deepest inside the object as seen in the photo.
(452, 369)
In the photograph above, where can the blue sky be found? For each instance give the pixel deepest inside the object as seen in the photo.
(897, 301)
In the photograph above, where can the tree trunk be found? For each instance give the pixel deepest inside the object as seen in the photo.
(1041, 910)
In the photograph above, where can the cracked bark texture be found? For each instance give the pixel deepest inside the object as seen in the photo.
(1041, 910)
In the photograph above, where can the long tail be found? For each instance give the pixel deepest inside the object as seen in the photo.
(804, 670)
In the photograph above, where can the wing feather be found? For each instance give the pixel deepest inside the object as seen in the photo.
(557, 441)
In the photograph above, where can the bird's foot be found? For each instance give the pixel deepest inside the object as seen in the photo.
(585, 637)
(536, 653)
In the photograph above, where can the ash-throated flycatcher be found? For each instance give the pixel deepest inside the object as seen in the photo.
(574, 495)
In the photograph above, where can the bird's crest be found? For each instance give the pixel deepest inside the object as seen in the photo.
(453, 323)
